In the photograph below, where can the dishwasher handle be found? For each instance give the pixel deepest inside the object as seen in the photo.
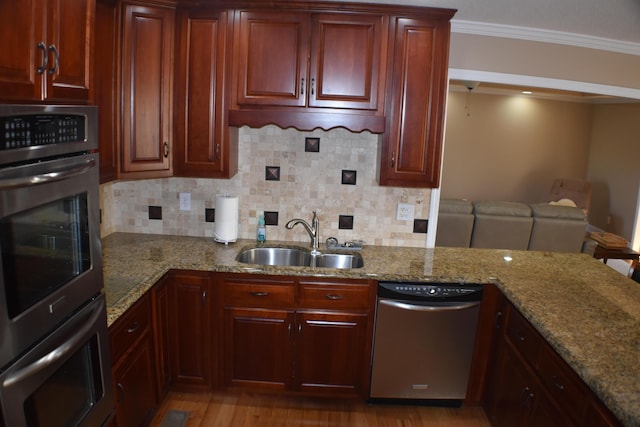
(430, 307)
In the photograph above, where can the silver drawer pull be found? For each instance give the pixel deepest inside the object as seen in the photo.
(259, 293)
(134, 327)
(334, 296)
(557, 383)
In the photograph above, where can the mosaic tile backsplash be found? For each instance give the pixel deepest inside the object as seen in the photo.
(278, 176)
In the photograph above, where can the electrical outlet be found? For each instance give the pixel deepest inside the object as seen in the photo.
(185, 201)
(405, 212)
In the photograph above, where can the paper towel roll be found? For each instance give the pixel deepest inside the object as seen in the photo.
(225, 227)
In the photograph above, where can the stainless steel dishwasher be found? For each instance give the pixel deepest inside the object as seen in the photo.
(423, 341)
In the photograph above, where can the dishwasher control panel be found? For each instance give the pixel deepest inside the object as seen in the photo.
(430, 291)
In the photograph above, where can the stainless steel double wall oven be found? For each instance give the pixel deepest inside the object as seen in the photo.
(54, 358)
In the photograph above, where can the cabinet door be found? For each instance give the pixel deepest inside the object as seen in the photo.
(105, 91)
(160, 301)
(331, 352)
(147, 78)
(346, 66)
(69, 35)
(191, 330)
(412, 146)
(134, 379)
(22, 57)
(258, 347)
(205, 145)
(272, 58)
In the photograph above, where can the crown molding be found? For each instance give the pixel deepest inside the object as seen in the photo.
(545, 36)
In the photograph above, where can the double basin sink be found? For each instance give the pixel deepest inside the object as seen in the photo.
(298, 257)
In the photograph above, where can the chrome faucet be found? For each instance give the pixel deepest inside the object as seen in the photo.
(313, 230)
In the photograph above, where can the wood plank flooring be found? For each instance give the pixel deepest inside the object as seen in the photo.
(252, 409)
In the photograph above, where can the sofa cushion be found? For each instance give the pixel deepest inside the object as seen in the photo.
(455, 206)
(545, 210)
(502, 208)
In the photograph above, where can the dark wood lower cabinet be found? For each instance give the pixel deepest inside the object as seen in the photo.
(330, 353)
(191, 329)
(135, 394)
(133, 360)
(529, 384)
(258, 348)
(297, 335)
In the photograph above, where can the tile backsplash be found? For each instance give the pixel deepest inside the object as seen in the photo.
(306, 181)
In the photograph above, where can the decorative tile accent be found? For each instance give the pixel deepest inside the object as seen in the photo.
(270, 218)
(209, 215)
(155, 212)
(272, 173)
(312, 145)
(345, 222)
(420, 225)
(348, 177)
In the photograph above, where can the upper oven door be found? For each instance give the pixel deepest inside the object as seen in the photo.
(50, 254)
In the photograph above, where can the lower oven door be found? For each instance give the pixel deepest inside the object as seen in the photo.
(65, 380)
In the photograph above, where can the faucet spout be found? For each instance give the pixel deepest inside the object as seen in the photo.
(312, 229)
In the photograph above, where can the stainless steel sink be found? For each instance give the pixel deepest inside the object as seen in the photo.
(296, 257)
(340, 260)
(275, 256)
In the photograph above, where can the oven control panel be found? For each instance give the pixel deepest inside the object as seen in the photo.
(29, 130)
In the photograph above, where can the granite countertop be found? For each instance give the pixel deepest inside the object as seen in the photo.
(587, 311)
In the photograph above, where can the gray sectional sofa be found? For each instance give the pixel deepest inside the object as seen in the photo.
(512, 225)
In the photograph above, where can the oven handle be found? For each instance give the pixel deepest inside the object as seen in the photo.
(47, 177)
(58, 353)
(414, 307)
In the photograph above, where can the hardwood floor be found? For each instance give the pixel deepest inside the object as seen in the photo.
(252, 409)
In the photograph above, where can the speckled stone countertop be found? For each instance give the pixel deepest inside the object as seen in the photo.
(587, 311)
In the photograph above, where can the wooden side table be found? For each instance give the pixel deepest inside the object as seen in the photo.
(605, 254)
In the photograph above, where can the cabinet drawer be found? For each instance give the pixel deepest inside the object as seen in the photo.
(262, 295)
(129, 328)
(334, 296)
(522, 335)
(563, 385)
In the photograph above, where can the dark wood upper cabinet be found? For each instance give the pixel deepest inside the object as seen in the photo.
(411, 149)
(346, 64)
(205, 145)
(292, 64)
(147, 89)
(47, 50)
(273, 48)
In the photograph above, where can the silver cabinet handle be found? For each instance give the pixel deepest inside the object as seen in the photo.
(259, 293)
(134, 327)
(56, 59)
(393, 159)
(45, 58)
(302, 86)
(204, 296)
(556, 382)
(313, 86)
(334, 297)
(166, 149)
(217, 154)
(120, 392)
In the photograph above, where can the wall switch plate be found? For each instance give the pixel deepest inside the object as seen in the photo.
(185, 201)
(405, 212)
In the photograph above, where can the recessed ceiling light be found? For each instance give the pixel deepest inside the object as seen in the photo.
(526, 92)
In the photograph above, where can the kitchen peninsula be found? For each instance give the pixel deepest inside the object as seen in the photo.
(587, 312)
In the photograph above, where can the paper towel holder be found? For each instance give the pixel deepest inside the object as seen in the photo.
(225, 226)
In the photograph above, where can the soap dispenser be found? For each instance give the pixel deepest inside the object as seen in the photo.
(262, 230)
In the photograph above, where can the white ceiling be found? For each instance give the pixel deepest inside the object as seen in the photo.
(609, 19)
